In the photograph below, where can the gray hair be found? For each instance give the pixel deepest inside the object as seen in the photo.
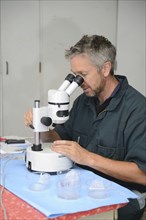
(98, 48)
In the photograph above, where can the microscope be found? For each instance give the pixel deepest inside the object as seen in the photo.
(39, 156)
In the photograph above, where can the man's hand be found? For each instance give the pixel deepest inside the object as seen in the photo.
(28, 118)
(123, 170)
(72, 150)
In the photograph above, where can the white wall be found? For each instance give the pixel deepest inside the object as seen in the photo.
(63, 23)
(131, 42)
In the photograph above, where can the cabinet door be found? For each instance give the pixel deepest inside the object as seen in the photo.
(63, 23)
(131, 43)
(20, 63)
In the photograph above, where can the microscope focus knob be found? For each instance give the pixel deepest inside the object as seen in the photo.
(46, 121)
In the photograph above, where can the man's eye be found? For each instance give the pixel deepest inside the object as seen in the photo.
(81, 74)
(84, 74)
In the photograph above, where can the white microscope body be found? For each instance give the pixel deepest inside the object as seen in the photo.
(40, 157)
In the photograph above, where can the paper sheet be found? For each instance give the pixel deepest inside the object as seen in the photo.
(47, 202)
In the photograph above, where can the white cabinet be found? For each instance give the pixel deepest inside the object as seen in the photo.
(20, 63)
(34, 31)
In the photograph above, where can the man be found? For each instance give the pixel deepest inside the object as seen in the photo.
(106, 130)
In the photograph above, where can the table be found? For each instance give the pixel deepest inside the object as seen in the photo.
(20, 210)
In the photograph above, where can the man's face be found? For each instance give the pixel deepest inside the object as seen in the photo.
(94, 80)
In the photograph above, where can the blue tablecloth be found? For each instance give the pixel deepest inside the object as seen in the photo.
(13, 177)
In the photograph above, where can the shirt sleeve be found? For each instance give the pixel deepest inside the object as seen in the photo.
(135, 133)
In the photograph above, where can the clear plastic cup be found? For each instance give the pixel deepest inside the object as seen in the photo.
(68, 184)
(38, 181)
(98, 189)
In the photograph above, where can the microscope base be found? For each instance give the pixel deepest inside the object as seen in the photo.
(46, 160)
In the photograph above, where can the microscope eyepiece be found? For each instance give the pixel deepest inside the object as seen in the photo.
(79, 80)
(70, 77)
(68, 80)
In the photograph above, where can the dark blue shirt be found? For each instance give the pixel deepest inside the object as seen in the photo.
(118, 132)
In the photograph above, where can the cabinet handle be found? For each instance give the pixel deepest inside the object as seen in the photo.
(40, 67)
(7, 68)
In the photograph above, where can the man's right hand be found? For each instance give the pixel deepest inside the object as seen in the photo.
(28, 118)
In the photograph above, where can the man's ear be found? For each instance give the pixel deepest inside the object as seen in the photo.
(106, 68)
